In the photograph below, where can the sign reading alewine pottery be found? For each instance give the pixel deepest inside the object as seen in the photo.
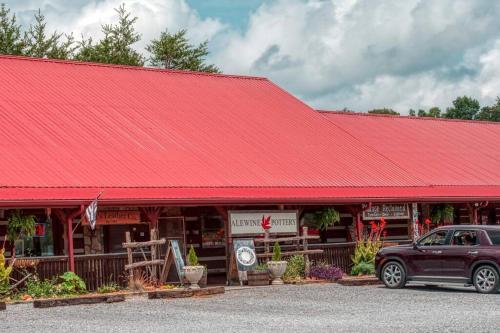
(392, 211)
(257, 222)
(244, 250)
(107, 217)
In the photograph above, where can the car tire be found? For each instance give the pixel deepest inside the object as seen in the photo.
(486, 280)
(393, 275)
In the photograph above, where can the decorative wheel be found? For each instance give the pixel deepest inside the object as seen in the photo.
(393, 275)
(486, 280)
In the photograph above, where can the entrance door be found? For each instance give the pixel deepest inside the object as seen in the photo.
(426, 258)
(173, 228)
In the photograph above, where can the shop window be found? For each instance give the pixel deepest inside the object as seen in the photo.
(42, 242)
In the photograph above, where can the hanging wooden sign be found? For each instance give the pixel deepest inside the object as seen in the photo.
(115, 217)
(388, 212)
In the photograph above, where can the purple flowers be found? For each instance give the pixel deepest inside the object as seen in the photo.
(326, 272)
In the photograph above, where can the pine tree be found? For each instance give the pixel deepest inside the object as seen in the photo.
(116, 46)
(173, 51)
(40, 44)
(11, 41)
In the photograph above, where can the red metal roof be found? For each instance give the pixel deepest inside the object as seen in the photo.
(440, 152)
(70, 130)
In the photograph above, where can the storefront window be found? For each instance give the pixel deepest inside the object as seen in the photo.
(41, 244)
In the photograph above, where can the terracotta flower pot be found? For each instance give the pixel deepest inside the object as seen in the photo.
(277, 269)
(193, 275)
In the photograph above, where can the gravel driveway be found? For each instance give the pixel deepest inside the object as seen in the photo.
(310, 308)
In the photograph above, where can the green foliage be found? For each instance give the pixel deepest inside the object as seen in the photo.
(295, 268)
(116, 46)
(262, 267)
(433, 112)
(441, 213)
(276, 252)
(384, 111)
(108, 288)
(11, 41)
(173, 51)
(463, 108)
(327, 218)
(490, 113)
(20, 225)
(38, 43)
(70, 283)
(5, 271)
(40, 289)
(364, 257)
(192, 257)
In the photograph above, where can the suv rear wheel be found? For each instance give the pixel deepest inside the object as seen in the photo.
(486, 280)
(393, 275)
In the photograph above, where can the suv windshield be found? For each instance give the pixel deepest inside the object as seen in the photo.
(436, 238)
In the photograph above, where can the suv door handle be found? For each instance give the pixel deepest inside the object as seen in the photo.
(437, 252)
(472, 252)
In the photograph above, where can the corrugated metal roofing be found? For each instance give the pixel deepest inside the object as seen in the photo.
(440, 152)
(70, 129)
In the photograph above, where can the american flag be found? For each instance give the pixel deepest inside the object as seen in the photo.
(91, 213)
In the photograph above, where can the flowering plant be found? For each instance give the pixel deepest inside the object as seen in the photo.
(326, 272)
(367, 247)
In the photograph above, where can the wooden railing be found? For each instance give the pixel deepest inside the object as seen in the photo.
(101, 269)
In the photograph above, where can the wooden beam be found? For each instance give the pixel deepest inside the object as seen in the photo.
(144, 244)
(144, 264)
(290, 253)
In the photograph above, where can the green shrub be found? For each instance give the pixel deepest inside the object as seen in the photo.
(364, 257)
(5, 271)
(276, 252)
(70, 283)
(40, 289)
(108, 288)
(192, 257)
(295, 268)
(261, 268)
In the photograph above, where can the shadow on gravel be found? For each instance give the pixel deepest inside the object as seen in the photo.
(445, 289)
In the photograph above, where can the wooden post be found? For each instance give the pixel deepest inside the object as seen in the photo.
(154, 236)
(71, 250)
(307, 269)
(358, 226)
(129, 256)
(266, 244)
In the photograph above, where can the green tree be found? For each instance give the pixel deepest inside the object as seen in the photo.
(173, 51)
(490, 113)
(116, 46)
(433, 112)
(384, 111)
(463, 108)
(40, 44)
(11, 41)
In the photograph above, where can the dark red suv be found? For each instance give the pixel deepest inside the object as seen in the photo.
(468, 254)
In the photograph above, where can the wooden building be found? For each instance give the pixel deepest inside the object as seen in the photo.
(180, 151)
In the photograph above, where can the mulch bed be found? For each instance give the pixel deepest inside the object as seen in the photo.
(183, 293)
(92, 299)
(364, 280)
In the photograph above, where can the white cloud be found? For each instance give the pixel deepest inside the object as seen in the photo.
(359, 54)
(365, 54)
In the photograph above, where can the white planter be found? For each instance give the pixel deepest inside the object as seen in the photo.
(193, 275)
(277, 269)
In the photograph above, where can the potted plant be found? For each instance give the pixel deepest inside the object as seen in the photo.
(193, 271)
(277, 267)
(259, 276)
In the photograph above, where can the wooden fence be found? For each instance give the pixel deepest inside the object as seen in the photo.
(101, 269)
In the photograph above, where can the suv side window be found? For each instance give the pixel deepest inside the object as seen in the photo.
(464, 238)
(494, 236)
(436, 238)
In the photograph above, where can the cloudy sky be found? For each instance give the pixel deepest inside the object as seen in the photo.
(358, 54)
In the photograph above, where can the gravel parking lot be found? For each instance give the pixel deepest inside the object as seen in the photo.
(316, 308)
